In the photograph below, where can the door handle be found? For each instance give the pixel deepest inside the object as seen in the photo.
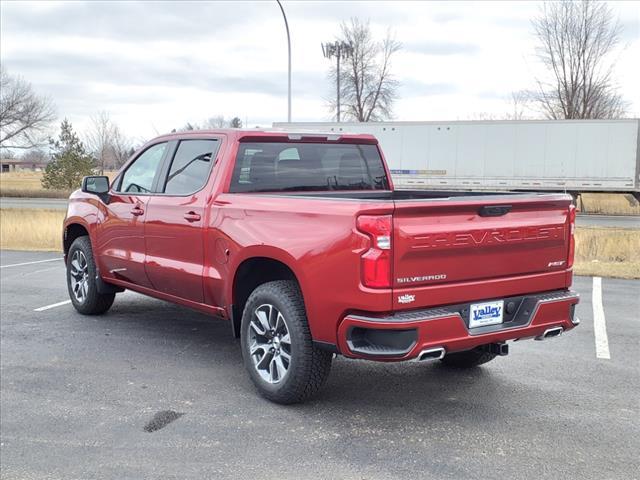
(192, 216)
(137, 211)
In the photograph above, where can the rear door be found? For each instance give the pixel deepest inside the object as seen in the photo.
(451, 241)
(175, 219)
(121, 244)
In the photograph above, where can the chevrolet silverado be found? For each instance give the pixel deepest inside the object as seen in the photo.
(301, 243)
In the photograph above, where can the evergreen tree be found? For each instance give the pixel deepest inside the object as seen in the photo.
(70, 161)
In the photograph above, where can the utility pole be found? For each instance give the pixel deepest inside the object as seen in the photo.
(286, 25)
(339, 50)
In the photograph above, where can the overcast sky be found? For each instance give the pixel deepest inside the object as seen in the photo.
(155, 66)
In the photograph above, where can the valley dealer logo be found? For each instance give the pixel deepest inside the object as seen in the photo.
(406, 298)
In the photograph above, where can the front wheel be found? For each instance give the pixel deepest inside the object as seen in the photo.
(277, 348)
(81, 280)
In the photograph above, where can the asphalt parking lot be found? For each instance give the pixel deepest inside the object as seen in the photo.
(77, 393)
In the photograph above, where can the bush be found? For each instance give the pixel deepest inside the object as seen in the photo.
(70, 161)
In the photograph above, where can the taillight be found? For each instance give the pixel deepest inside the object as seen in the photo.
(572, 235)
(376, 262)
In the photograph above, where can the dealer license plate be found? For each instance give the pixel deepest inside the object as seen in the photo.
(483, 314)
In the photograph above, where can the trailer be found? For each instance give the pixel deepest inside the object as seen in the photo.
(552, 155)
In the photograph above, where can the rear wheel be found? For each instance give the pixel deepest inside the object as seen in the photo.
(81, 280)
(469, 358)
(277, 348)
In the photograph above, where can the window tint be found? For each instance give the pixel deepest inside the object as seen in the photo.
(190, 166)
(264, 167)
(138, 178)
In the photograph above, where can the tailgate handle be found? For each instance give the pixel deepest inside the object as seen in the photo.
(494, 210)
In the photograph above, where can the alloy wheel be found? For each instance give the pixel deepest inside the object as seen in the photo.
(79, 274)
(269, 343)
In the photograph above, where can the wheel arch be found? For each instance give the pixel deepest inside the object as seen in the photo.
(73, 229)
(252, 272)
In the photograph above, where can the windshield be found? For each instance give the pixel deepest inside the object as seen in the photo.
(269, 167)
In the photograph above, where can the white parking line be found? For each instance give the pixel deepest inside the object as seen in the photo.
(599, 322)
(30, 263)
(53, 305)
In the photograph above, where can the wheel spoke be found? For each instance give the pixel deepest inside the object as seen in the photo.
(263, 318)
(273, 313)
(255, 346)
(279, 322)
(285, 356)
(286, 339)
(273, 371)
(264, 360)
(280, 368)
(257, 328)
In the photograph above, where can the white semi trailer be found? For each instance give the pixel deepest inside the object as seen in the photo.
(566, 155)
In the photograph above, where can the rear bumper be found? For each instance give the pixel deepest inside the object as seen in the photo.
(404, 335)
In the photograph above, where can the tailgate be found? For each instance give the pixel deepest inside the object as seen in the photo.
(474, 238)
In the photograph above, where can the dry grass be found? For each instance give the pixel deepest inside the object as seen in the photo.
(608, 252)
(26, 229)
(28, 184)
(610, 204)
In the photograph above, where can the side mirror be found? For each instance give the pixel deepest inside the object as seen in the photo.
(98, 185)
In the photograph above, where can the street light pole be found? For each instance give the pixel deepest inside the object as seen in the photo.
(339, 50)
(286, 25)
(338, 87)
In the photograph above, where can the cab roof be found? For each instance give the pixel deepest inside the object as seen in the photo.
(276, 135)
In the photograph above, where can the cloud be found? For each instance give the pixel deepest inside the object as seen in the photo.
(441, 48)
(411, 88)
(133, 21)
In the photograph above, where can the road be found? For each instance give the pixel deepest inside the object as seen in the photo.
(77, 393)
(44, 203)
(582, 220)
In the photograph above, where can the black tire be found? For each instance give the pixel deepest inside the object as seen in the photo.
(469, 358)
(308, 367)
(92, 302)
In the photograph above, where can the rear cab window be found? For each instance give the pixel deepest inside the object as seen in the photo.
(291, 167)
(191, 166)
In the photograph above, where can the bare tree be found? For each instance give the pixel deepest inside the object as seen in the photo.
(35, 156)
(98, 138)
(25, 116)
(122, 147)
(215, 122)
(519, 104)
(212, 123)
(367, 87)
(106, 142)
(576, 39)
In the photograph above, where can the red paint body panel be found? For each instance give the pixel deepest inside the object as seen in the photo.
(442, 251)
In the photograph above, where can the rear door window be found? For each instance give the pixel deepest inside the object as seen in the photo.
(269, 167)
(191, 166)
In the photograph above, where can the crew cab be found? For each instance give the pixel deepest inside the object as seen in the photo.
(301, 243)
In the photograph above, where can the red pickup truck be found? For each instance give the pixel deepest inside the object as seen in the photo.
(301, 243)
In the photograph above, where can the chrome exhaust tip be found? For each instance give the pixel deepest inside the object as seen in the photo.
(436, 353)
(550, 333)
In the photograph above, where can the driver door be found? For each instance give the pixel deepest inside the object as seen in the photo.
(121, 243)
